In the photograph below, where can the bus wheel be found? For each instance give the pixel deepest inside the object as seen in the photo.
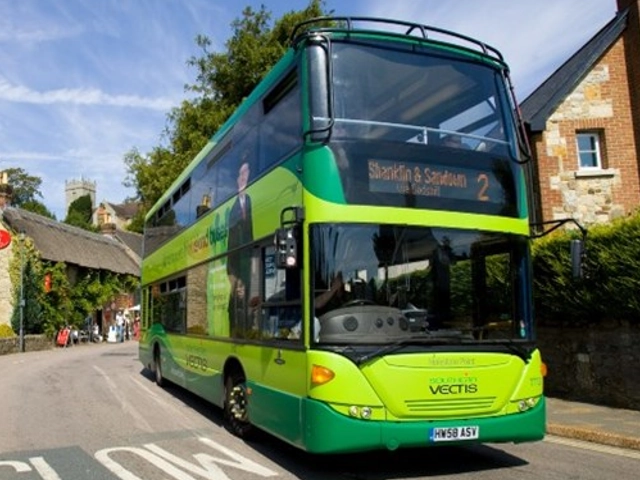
(235, 406)
(157, 368)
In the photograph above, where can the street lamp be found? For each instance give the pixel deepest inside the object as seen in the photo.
(22, 291)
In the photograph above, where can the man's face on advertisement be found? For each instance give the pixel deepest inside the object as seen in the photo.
(243, 176)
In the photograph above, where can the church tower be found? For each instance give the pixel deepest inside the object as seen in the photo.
(75, 189)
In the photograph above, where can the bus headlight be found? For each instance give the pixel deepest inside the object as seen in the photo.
(362, 412)
(524, 405)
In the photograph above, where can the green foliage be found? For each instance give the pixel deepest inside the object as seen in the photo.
(38, 207)
(6, 331)
(58, 304)
(65, 303)
(68, 304)
(80, 214)
(610, 286)
(137, 221)
(26, 278)
(25, 187)
(222, 82)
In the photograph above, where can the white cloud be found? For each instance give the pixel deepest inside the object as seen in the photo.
(80, 96)
(82, 81)
(31, 36)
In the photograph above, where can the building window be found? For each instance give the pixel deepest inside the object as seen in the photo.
(589, 156)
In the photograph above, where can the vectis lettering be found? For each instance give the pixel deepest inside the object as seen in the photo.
(453, 389)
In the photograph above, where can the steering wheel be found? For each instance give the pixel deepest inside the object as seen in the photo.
(358, 301)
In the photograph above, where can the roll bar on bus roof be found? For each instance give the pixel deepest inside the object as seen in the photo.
(349, 24)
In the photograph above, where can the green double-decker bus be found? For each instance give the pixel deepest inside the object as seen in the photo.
(346, 264)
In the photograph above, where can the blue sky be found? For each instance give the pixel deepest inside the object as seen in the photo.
(82, 82)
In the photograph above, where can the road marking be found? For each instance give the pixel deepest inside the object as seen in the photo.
(43, 468)
(596, 447)
(188, 421)
(126, 406)
(206, 467)
(209, 462)
(39, 463)
(103, 457)
(19, 467)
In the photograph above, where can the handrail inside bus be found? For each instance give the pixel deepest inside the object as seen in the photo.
(332, 24)
(421, 130)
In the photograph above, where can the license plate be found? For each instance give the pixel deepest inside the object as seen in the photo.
(452, 434)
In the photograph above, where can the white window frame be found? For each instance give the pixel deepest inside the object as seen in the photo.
(596, 152)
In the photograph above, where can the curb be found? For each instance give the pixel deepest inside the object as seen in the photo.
(594, 436)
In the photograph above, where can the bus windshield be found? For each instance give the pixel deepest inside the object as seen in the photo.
(380, 284)
(419, 97)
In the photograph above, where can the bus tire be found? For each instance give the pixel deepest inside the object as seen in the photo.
(235, 406)
(157, 368)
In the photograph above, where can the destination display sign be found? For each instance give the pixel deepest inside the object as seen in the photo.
(436, 181)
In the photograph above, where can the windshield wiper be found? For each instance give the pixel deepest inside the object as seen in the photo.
(521, 350)
(414, 340)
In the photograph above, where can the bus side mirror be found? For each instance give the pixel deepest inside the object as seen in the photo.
(286, 248)
(577, 258)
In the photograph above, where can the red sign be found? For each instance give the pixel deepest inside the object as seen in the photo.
(5, 239)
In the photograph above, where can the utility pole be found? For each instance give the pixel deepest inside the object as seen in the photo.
(22, 291)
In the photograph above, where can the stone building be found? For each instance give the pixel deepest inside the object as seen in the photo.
(118, 215)
(74, 189)
(584, 123)
(80, 250)
(106, 213)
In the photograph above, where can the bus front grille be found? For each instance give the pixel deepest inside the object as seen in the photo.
(482, 404)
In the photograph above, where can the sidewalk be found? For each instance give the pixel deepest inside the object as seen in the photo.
(593, 423)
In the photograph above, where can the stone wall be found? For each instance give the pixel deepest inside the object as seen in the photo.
(594, 364)
(32, 343)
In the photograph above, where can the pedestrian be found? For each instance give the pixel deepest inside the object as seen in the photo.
(136, 327)
(120, 325)
(127, 327)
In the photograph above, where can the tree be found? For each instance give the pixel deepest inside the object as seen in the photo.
(26, 276)
(80, 213)
(222, 81)
(26, 189)
(33, 322)
(38, 207)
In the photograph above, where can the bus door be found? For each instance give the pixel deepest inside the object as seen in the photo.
(280, 384)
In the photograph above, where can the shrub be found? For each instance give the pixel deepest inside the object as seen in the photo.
(609, 289)
(6, 331)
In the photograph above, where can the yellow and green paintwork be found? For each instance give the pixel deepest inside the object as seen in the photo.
(401, 390)
(283, 401)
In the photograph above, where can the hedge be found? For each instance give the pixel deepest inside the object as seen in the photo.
(610, 287)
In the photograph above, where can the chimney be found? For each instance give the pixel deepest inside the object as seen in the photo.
(6, 192)
(622, 4)
(108, 229)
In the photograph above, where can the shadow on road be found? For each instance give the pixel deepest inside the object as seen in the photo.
(386, 465)
(204, 408)
(378, 465)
